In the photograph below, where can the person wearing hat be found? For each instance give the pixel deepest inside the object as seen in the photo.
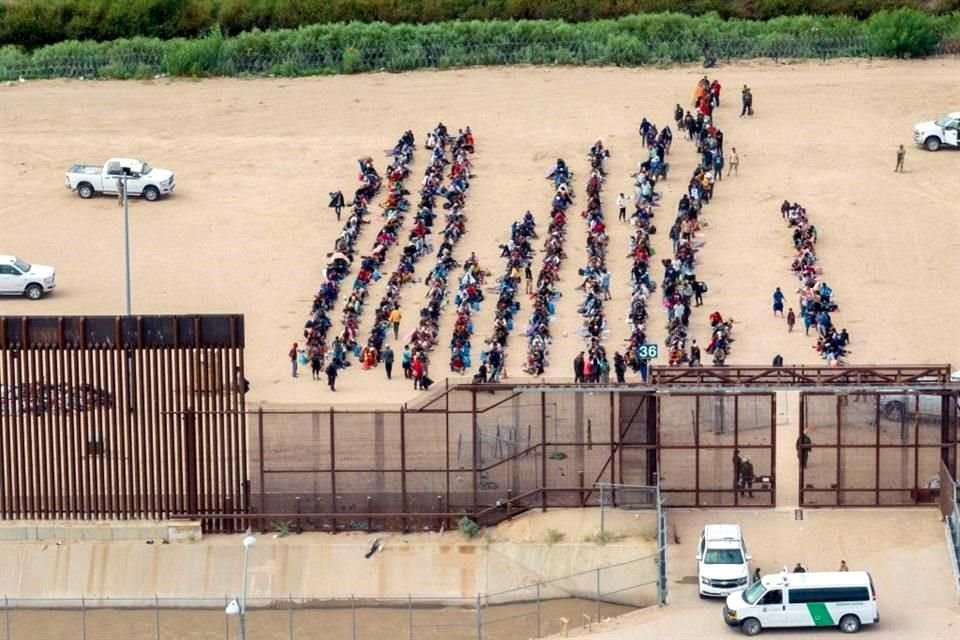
(746, 476)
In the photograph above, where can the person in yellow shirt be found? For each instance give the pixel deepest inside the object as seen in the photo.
(395, 321)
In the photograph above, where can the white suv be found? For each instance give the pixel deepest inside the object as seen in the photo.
(723, 564)
(18, 278)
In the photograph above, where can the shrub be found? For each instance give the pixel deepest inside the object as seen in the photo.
(554, 536)
(903, 33)
(468, 527)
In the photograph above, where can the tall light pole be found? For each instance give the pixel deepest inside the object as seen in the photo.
(240, 609)
(126, 235)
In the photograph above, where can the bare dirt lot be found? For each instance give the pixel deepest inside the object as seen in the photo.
(248, 228)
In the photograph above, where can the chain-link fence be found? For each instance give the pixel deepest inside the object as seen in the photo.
(543, 608)
(216, 56)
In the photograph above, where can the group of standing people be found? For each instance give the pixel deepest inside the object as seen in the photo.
(816, 297)
(595, 275)
(641, 283)
(544, 294)
(518, 252)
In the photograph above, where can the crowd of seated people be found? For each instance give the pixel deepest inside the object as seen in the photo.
(681, 289)
(518, 252)
(418, 244)
(426, 334)
(595, 276)
(545, 293)
(816, 297)
(318, 325)
(394, 210)
(467, 300)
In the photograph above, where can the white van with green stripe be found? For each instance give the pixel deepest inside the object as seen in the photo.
(845, 599)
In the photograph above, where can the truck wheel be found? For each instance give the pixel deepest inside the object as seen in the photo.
(85, 190)
(151, 194)
(932, 143)
(850, 623)
(750, 627)
(34, 292)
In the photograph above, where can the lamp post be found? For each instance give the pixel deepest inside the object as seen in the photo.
(126, 235)
(240, 609)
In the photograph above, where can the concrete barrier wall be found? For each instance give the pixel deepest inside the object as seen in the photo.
(310, 565)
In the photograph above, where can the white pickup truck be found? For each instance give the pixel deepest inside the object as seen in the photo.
(144, 180)
(941, 132)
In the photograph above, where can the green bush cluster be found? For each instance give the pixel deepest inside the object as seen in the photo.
(358, 47)
(33, 23)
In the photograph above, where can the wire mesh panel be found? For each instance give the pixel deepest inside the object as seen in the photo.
(874, 448)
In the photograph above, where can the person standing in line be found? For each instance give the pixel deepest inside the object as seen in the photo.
(734, 162)
(395, 317)
(388, 361)
(694, 354)
(528, 275)
(746, 476)
(406, 363)
(622, 206)
(332, 375)
(619, 367)
(901, 154)
(315, 363)
(578, 366)
(417, 372)
(777, 303)
(605, 285)
(791, 320)
(718, 165)
(293, 360)
(698, 290)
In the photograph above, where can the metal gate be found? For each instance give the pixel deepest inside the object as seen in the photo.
(874, 448)
(706, 440)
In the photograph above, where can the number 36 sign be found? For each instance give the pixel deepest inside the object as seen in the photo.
(648, 351)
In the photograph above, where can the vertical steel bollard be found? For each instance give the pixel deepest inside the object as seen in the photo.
(479, 620)
(290, 615)
(6, 615)
(538, 610)
(83, 617)
(409, 616)
(156, 610)
(353, 616)
(598, 594)
(226, 618)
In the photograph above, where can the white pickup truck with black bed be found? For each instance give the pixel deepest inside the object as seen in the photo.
(142, 179)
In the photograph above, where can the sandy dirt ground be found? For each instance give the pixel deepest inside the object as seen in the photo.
(248, 228)
(903, 549)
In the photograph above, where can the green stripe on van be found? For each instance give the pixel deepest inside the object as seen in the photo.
(821, 617)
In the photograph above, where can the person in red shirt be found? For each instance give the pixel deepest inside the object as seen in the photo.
(715, 93)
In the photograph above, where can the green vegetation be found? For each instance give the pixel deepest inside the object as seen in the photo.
(554, 536)
(601, 538)
(468, 527)
(358, 47)
(33, 23)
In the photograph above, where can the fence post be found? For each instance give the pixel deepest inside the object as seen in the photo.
(409, 616)
(479, 620)
(538, 610)
(83, 617)
(226, 618)
(353, 617)
(156, 608)
(598, 595)
(290, 614)
(6, 615)
(602, 506)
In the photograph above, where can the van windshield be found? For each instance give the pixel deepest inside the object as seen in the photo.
(753, 593)
(723, 556)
